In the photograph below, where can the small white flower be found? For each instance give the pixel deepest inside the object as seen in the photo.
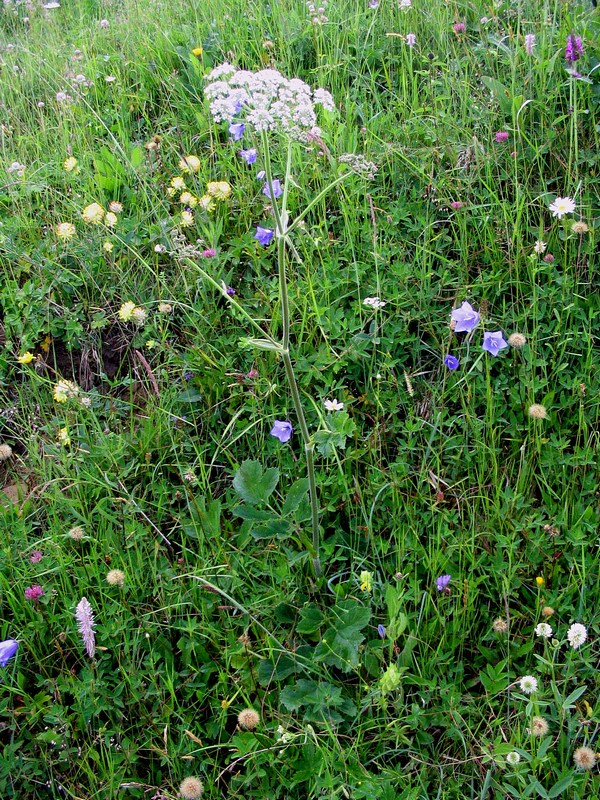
(374, 302)
(110, 78)
(577, 634)
(513, 758)
(333, 405)
(528, 684)
(562, 206)
(543, 629)
(539, 247)
(104, 24)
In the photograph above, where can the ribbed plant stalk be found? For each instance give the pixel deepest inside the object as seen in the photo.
(281, 219)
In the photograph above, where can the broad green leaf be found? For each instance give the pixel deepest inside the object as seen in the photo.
(341, 642)
(252, 484)
(295, 495)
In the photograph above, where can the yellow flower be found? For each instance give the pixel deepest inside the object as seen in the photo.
(197, 51)
(207, 203)
(26, 358)
(366, 581)
(151, 344)
(187, 219)
(189, 164)
(220, 190)
(126, 311)
(188, 199)
(65, 230)
(539, 581)
(63, 437)
(110, 219)
(94, 213)
(108, 247)
(65, 390)
(70, 164)
(178, 182)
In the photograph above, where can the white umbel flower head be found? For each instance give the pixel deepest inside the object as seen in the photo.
(528, 684)
(577, 635)
(266, 100)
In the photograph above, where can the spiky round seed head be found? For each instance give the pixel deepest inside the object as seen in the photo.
(191, 788)
(5, 452)
(579, 228)
(77, 533)
(539, 726)
(517, 340)
(584, 758)
(500, 625)
(248, 719)
(537, 411)
(547, 611)
(116, 577)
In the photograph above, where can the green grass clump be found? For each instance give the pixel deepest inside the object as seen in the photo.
(439, 654)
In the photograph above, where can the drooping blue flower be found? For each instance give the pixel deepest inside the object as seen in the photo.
(381, 631)
(236, 130)
(282, 430)
(451, 362)
(465, 318)
(249, 156)
(493, 342)
(276, 186)
(263, 235)
(442, 582)
(8, 649)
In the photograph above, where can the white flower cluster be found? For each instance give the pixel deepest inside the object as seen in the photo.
(266, 100)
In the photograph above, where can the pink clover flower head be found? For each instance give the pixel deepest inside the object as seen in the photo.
(85, 623)
(34, 593)
(456, 205)
(441, 583)
(573, 48)
(263, 235)
(465, 318)
(209, 253)
(282, 430)
(8, 649)
(459, 27)
(501, 136)
(493, 342)
(36, 557)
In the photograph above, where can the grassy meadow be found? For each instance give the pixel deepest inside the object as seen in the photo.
(299, 426)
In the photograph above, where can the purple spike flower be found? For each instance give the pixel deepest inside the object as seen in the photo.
(276, 186)
(236, 130)
(493, 342)
(465, 318)
(573, 48)
(282, 430)
(442, 582)
(85, 620)
(8, 649)
(263, 235)
(249, 156)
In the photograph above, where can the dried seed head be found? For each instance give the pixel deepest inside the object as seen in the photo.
(248, 719)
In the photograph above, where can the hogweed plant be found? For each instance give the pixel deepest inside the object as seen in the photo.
(268, 103)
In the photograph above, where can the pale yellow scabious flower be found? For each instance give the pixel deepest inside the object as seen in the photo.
(64, 390)
(188, 199)
(94, 214)
(189, 164)
(187, 219)
(220, 190)
(70, 164)
(126, 311)
(207, 203)
(65, 231)
(178, 183)
(110, 220)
